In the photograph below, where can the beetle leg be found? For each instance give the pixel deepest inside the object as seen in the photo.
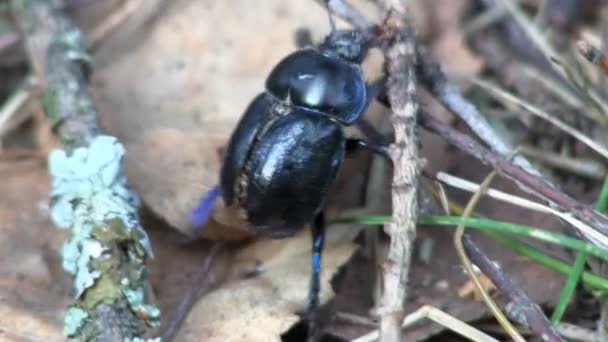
(353, 145)
(372, 91)
(318, 240)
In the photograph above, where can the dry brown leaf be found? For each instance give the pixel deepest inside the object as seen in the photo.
(450, 45)
(469, 289)
(263, 307)
(33, 290)
(193, 69)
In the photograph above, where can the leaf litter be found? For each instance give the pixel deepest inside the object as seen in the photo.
(173, 97)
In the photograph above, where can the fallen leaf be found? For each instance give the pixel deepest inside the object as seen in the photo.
(263, 307)
(469, 290)
(194, 70)
(449, 45)
(33, 289)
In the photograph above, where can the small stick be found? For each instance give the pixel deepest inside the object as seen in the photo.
(190, 298)
(520, 307)
(450, 96)
(401, 59)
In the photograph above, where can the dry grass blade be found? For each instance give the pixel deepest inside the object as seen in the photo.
(531, 31)
(468, 265)
(113, 21)
(439, 317)
(581, 166)
(466, 185)
(11, 106)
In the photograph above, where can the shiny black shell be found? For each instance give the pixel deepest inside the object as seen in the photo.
(312, 80)
(285, 164)
(258, 111)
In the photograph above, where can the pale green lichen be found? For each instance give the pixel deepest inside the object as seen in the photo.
(90, 196)
(76, 257)
(139, 339)
(136, 296)
(74, 320)
(73, 41)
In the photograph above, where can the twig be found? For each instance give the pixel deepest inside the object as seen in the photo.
(107, 249)
(190, 298)
(450, 96)
(520, 307)
(401, 59)
(532, 183)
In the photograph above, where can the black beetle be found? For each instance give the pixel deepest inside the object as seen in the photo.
(289, 145)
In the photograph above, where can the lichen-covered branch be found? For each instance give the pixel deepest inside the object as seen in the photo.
(401, 58)
(107, 249)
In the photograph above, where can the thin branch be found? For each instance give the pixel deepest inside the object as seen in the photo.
(451, 97)
(107, 248)
(520, 307)
(532, 183)
(401, 59)
(190, 298)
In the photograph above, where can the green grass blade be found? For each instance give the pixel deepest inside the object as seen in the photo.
(602, 201)
(569, 288)
(492, 225)
(498, 233)
(555, 264)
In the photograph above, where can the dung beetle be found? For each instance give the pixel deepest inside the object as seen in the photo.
(289, 145)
